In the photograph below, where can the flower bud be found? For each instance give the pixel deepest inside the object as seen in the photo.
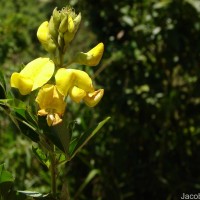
(69, 24)
(43, 32)
(44, 37)
(52, 30)
(56, 18)
(63, 25)
(73, 25)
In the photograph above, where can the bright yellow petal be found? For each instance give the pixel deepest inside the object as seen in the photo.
(82, 80)
(39, 70)
(67, 78)
(50, 100)
(92, 57)
(22, 83)
(51, 103)
(14, 80)
(77, 94)
(92, 99)
(44, 96)
(97, 51)
(43, 32)
(64, 80)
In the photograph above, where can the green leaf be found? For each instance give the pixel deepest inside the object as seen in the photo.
(60, 135)
(2, 85)
(6, 184)
(63, 133)
(5, 176)
(21, 115)
(41, 156)
(79, 142)
(88, 179)
(19, 107)
(50, 133)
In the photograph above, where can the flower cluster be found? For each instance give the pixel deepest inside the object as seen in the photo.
(54, 81)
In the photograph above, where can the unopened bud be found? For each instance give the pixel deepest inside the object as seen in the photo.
(44, 37)
(70, 24)
(56, 18)
(64, 24)
(43, 32)
(52, 30)
(77, 21)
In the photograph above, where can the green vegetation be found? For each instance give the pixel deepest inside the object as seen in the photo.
(151, 75)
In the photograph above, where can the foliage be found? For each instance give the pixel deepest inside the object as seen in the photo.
(150, 72)
(56, 142)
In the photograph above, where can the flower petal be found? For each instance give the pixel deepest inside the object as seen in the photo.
(92, 57)
(92, 99)
(21, 82)
(43, 32)
(67, 78)
(77, 94)
(53, 119)
(39, 71)
(50, 99)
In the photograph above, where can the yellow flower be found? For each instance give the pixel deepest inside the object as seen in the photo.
(34, 75)
(51, 103)
(68, 78)
(78, 85)
(92, 57)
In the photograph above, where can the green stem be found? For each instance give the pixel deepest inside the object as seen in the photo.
(53, 169)
(61, 57)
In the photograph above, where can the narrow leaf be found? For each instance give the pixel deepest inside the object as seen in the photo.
(78, 143)
(88, 179)
(41, 156)
(2, 85)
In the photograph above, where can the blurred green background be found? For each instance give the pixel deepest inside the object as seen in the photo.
(150, 149)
